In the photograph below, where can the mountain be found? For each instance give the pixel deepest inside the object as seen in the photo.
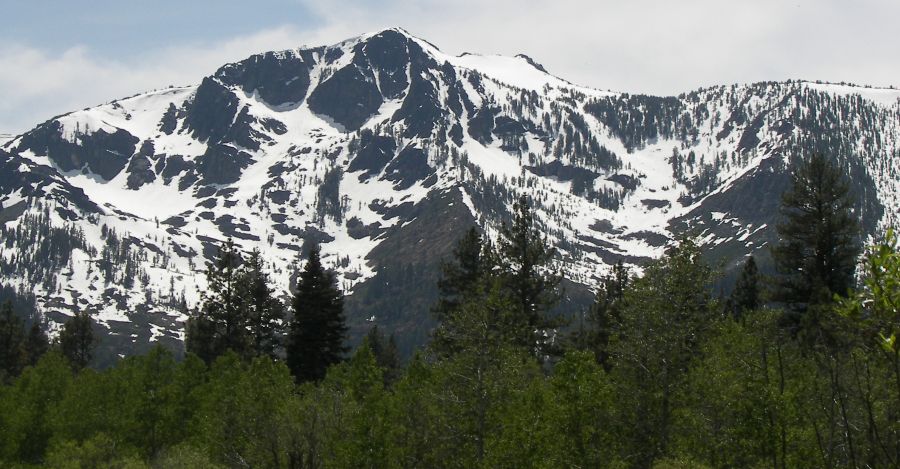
(384, 149)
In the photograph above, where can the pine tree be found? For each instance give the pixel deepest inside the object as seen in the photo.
(460, 275)
(200, 337)
(12, 338)
(525, 257)
(746, 294)
(819, 245)
(385, 351)
(222, 323)
(318, 328)
(605, 314)
(265, 313)
(460, 280)
(76, 340)
(36, 344)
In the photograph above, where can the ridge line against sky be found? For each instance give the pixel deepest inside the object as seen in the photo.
(57, 56)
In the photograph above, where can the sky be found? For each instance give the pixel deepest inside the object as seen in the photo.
(58, 55)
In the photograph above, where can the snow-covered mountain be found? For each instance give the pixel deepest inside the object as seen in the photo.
(384, 149)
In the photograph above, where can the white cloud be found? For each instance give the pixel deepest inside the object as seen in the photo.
(36, 85)
(655, 46)
(650, 46)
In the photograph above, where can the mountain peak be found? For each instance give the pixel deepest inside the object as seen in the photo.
(393, 32)
(382, 148)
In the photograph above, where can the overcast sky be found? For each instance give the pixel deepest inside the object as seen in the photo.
(59, 55)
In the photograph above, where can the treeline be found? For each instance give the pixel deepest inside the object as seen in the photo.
(798, 370)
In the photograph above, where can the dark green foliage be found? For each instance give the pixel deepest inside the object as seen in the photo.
(461, 275)
(76, 340)
(239, 311)
(266, 313)
(666, 317)
(604, 316)
(461, 281)
(36, 344)
(683, 386)
(816, 256)
(200, 337)
(12, 340)
(525, 261)
(318, 330)
(518, 272)
(28, 409)
(385, 352)
(746, 295)
(222, 322)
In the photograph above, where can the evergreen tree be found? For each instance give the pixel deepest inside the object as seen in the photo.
(386, 354)
(223, 321)
(76, 340)
(200, 337)
(460, 276)
(318, 330)
(265, 312)
(36, 344)
(525, 257)
(746, 294)
(816, 255)
(605, 314)
(461, 279)
(12, 338)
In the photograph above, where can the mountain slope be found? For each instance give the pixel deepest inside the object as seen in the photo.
(384, 149)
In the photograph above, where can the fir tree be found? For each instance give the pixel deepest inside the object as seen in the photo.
(386, 355)
(36, 344)
(819, 245)
(223, 321)
(746, 294)
(12, 338)
(525, 257)
(318, 329)
(460, 276)
(265, 312)
(605, 314)
(76, 340)
(460, 281)
(200, 337)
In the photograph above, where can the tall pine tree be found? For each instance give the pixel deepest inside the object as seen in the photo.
(223, 321)
(318, 330)
(265, 312)
(746, 294)
(76, 340)
(606, 313)
(816, 255)
(525, 257)
(461, 275)
(461, 281)
(12, 338)
(386, 355)
(36, 344)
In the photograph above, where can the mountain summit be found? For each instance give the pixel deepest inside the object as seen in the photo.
(383, 149)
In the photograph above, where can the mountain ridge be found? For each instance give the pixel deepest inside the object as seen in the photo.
(376, 144)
